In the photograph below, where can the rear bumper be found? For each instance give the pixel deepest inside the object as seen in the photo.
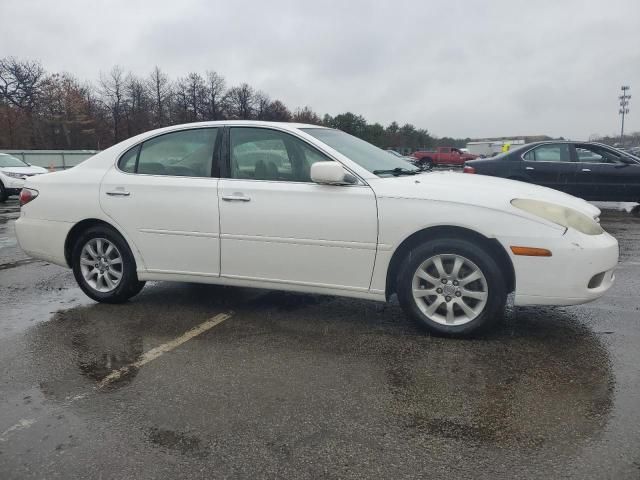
(43, 239)
(581, 269)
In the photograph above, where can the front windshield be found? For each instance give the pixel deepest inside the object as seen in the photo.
(368, 156)
(11, 161)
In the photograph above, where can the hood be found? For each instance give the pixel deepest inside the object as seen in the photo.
(27, 171)
(480, 190)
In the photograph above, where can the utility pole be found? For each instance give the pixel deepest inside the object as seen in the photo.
(624, 107)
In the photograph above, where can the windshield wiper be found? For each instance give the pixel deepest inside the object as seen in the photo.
(396, 172)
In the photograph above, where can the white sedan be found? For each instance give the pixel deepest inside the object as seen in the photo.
(13, 173)
(311, 209)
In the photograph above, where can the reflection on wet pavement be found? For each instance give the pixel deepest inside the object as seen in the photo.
(543, 379)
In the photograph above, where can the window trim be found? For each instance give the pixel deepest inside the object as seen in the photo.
(226, 159)
(215, 160)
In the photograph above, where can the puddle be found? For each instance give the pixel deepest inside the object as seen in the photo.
(177, 441)
(542, 379)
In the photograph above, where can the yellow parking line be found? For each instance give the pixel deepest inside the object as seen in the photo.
(164, 348)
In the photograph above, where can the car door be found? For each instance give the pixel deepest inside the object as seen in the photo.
(163, 195)
(551, 165)
(279, 226)
(603, 175)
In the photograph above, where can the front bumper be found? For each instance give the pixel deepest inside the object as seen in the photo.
(580, 269)
(12, 183)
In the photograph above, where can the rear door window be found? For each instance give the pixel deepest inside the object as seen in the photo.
(186, 153)
(549, 153)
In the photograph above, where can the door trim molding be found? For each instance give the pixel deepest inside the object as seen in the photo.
(300, 241)
(179, 232)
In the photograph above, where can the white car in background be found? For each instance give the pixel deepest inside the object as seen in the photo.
(13, 173)
(312, 209)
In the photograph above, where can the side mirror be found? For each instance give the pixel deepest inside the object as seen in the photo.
(331, 173)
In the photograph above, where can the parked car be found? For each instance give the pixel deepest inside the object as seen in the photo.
(407, 159)
(13, 173)
(334, 215)
(592, 171)
(442, 156)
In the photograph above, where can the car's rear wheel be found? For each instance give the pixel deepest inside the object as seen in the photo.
(104, 267)
(427, 163)
(3, 193)
(452, 287)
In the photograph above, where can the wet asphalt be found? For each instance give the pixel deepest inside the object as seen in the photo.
(305, 386)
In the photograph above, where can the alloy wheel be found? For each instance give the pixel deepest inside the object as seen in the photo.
(450, 289)
(101, 265)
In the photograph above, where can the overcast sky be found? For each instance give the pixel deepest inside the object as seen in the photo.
(457, 68)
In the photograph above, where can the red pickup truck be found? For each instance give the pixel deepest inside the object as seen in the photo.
(442, 156)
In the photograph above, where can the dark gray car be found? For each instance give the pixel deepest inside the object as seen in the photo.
(592, 171)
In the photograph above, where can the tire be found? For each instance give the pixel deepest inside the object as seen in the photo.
(636, 211)
(3, 193)
(427, 164)
(90, 258)
(483, 299)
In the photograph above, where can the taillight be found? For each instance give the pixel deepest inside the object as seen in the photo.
(26, 195)
(468, 169)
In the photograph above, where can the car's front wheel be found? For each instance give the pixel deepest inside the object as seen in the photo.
(427, 164)
(3, 193)
(452, 287)
(104, 267)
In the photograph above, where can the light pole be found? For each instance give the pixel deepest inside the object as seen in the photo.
(624, 107)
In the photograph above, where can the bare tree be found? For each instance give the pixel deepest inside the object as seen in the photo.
(111, 93)
(242, 102)
(159, 89)
(277, 112)
(306, 115)
(136, 105)
(21, 82)
(196, 96)
(216, 96)
(41, 110)
(262, 102)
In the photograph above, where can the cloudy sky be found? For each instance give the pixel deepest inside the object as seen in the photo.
(457, 68)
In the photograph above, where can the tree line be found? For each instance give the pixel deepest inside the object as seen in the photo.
(42, 110)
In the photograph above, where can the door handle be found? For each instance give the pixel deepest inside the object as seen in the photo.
(236, 197)
(586, 169)
(529, 168)
(118, 193)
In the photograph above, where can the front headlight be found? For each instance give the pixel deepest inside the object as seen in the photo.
(563, 216)
(13, 175)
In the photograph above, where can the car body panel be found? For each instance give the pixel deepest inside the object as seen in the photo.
(272, 235)
(159, 225)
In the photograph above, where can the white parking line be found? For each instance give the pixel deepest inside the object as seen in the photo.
(116, 374)
(21, 425)
(164, 348)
